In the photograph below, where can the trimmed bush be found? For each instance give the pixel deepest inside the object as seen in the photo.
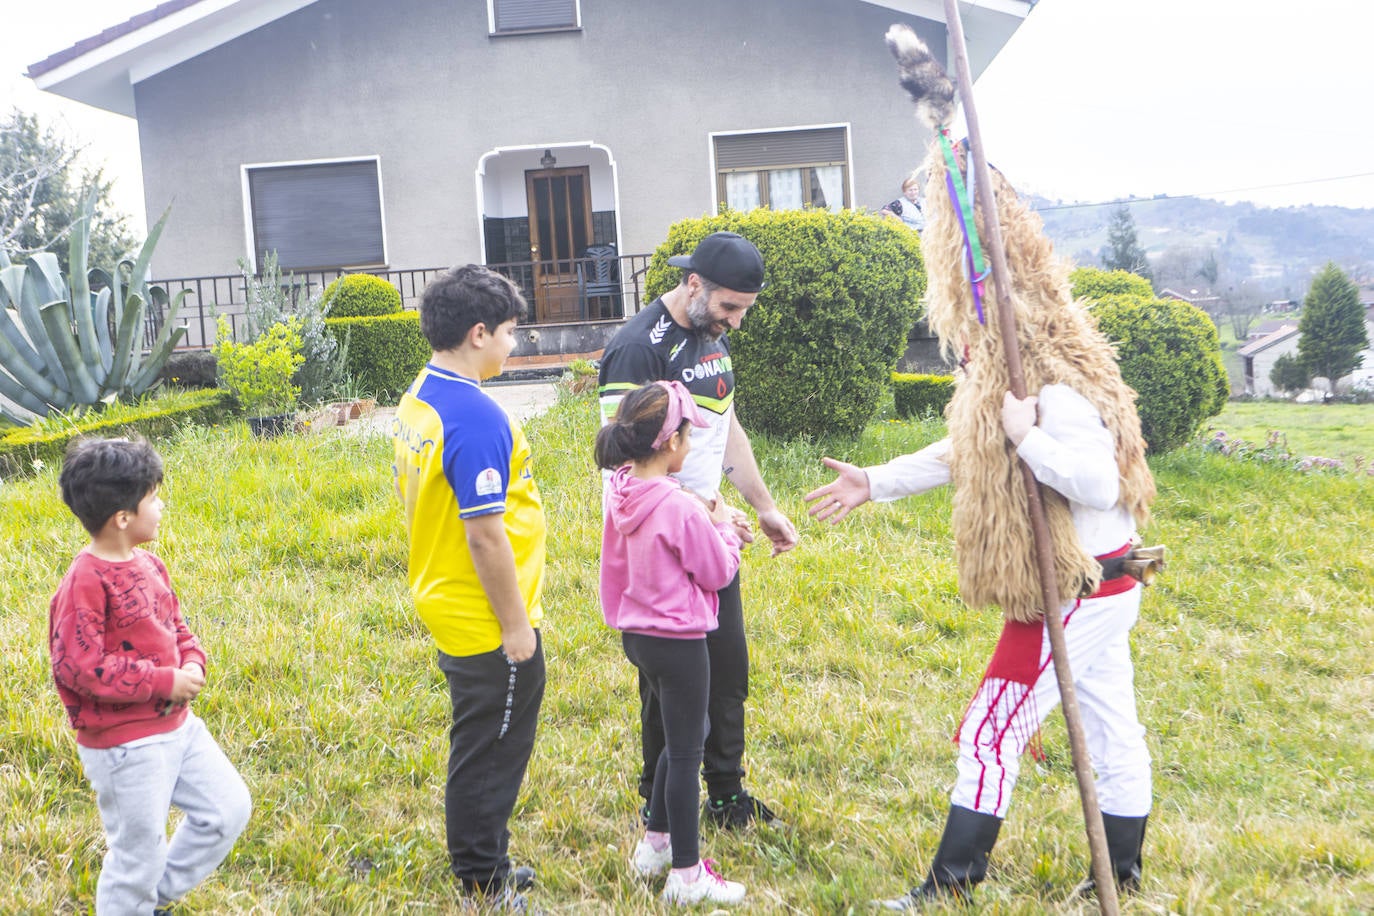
(1169, 353)
(816, 352)
(1095, 284)
(360, 296)
(385, 352)
(153, 418)
(918, 396)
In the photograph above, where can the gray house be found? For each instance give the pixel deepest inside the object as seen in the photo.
(557, 139)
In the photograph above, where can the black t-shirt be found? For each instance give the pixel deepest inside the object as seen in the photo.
(653, 347)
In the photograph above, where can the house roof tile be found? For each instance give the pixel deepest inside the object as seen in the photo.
(87, 45)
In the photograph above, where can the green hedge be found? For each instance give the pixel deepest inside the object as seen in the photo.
(360, 296)
(1168, 351)
(815, 354)
(1095, 283)
(919, 396)
(153, 418)
(385, 352)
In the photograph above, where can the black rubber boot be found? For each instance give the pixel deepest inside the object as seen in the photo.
(961, 861)
(1125, 837)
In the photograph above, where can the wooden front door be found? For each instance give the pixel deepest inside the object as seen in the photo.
(560, 209)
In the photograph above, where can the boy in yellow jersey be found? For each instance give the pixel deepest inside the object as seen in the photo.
(476, 566)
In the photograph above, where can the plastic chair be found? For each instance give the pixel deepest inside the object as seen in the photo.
(598, 277)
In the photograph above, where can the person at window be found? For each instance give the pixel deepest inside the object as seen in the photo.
(907, 208)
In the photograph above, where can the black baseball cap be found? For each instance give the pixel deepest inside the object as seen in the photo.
(726, 259)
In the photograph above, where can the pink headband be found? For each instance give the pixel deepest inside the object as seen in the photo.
(680, 407)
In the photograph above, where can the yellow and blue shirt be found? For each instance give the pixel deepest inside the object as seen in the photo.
(458, 455)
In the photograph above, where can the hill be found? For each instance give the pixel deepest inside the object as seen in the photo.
(1273, 250)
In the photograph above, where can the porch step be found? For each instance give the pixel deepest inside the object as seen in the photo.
(547, 365)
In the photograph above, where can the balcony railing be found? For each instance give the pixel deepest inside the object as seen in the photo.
(558, 292)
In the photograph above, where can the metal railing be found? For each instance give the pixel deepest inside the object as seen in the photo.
(558, 292)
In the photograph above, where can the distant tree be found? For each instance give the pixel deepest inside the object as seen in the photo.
(1331, 330)
(1123, 251)
(1242, 304)
(1176, 268)
(41, 190)
(1209, 270)
(1289, 375)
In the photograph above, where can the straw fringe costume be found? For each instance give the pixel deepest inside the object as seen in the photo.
(1086, 452)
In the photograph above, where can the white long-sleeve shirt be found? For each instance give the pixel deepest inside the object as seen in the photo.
(1069, 450)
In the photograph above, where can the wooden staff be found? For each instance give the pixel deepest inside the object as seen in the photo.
(1102, 871)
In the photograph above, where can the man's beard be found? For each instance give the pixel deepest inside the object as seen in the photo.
(699, 314)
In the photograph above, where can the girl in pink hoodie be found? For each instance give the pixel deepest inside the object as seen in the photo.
(665, 552)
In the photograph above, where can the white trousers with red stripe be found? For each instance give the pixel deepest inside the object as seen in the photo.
(1000, 722)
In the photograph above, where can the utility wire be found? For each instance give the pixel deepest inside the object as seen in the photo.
(1199, 194)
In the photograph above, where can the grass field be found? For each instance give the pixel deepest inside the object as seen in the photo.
(1342, 431)
(1254, 672)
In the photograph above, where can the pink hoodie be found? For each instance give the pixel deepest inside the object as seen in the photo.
(662, 559)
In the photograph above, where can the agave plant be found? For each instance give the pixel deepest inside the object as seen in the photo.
(65, 347)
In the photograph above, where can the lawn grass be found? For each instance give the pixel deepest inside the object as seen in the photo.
(1341, 431)
(1254, 672)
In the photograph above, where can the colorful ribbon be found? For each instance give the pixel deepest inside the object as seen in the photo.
(962, 198)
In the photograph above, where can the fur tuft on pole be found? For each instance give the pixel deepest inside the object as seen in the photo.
(922, 77)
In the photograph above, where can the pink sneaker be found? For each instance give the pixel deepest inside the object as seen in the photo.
(649, 861)
(709, 886)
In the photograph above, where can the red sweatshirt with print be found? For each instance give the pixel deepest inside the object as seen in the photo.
(117, 637)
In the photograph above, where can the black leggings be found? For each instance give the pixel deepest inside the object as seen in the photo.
(724, 749)
(678, 673)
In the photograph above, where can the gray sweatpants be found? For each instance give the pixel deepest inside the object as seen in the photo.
(135, 786)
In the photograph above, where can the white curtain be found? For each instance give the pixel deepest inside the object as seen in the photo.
(742, 190)
(785, 189)
(831, 180)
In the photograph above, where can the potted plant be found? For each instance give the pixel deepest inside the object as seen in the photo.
(259, 374)
(580, 376)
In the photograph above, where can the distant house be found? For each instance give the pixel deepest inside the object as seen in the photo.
(1362, 379)
(1258, 357)
(1265, 328)
(1259, 354)
(558, 139)
(1193, 297)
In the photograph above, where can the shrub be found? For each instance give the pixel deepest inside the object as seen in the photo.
(816, 352)
(259, 374)
(921, 396)
(1289, 374)
(271, 301)
(27, 448)
(1092, 283)
(191, 369)
(384, 352)
(1169, 353)
(360, 296)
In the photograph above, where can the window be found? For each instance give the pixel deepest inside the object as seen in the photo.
(783, 169)
(317, 214)
(513, 16)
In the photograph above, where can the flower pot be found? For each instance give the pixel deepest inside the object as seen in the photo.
(268, 427)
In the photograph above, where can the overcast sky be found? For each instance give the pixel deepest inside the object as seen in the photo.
(1091, 99)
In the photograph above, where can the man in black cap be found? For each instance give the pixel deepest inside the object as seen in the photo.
(682, 335)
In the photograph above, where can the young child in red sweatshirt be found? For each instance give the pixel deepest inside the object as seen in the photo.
(127, 668)
(664, 555)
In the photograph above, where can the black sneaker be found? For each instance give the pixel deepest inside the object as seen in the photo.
(518, 879)
(735, 812)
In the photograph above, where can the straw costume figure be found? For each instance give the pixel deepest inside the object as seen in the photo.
(1080, 436)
